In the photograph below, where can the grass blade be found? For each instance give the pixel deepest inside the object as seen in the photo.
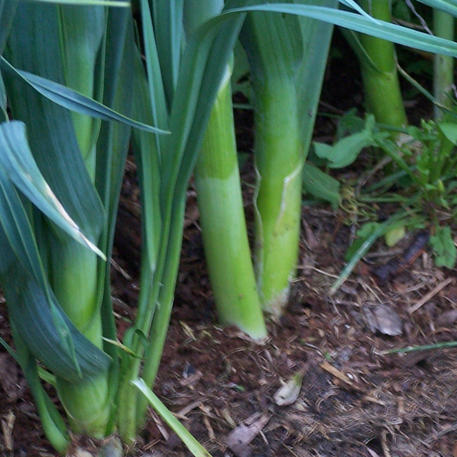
(191, 443)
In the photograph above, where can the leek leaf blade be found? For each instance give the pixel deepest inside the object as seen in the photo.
(19, 165)
(73, 100)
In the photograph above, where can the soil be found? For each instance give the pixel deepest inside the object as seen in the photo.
(354, 400)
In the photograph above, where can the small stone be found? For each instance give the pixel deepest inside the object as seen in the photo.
(384, 319)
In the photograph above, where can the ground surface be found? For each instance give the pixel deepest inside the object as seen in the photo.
(354, 400)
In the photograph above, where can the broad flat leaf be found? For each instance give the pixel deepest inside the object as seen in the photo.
(316, 37)
(112, 146)
(449, 130)
(7, 11)
(32, 306)
(113, 140)
(321, 185)
(444, 247)
(147, 156)
(345, 151)
(168, 27)
(16, 225)
(30, 311)
(159, 106)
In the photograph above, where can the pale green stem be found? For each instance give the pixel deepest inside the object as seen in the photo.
(53, 425)
(279, 162)
(74, 279)
(443, 73)
(223, 224)
(161, 319)
(156, 324)
(380, 77)
(82, 29)
(155, 310)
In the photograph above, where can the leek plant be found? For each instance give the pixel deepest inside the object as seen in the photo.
(223, 223)
(63, 44)
(443, 69)
(287, 57)
(220, 203)
(60, 177)
(379, 69)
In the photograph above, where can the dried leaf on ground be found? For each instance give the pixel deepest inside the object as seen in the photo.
(384, 319)
(238, 439)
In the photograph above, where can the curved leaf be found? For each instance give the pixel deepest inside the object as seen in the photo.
(39, 320)
(449, 6)
(18, 163)
(358, 23)
(73, 100)
(69, 356)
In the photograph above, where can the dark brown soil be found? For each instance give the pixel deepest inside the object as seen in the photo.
(355, 400)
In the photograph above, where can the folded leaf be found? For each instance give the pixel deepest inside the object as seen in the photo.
(20, 167)
(321, 185)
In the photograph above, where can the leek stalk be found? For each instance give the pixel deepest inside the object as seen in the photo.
(279, 162)
(220, 204)
(75, 279)
(379, 71)
(287, 57)
(223, 224)
(443, 71)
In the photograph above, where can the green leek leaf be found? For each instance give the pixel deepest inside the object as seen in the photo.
(115, 3)
(7, 10)
(359, 23)
(448, 6)
(20, 166)
(73, 100)
(70, 356)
